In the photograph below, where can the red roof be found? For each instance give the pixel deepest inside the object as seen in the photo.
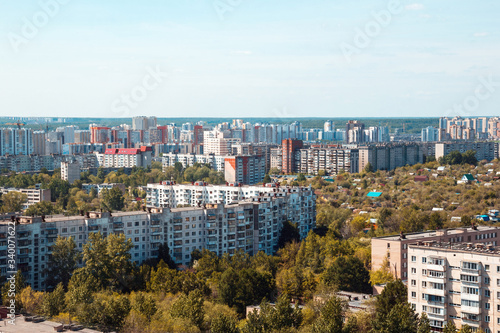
(127, 151)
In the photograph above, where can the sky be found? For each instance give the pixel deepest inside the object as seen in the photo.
(249, 58)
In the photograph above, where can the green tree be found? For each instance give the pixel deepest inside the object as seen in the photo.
(40, 208)
(54, 302)
(143, 303)
(289, 233)
(331, 317)
(190, 307)
(450, 327)
(19, 285)
(13, 201)
(469, 157)
(401, 319)
(63, 260)
(301, 177)
(108, 260)
(81, 286)
(394, 293)
(107, 311)
(266, 179)
(113, 199)
(424, 325)
(348, 274)
(224, 324)
(284, 315)
(465, 329)
(274, 171)
(238, 288)
(368, 168)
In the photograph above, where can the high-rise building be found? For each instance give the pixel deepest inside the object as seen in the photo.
(289, 148)
(484, 150)
(247, 170)
(143, 123)
(100, 134)
(430, 134)
(355, 131)
(16, 141)
(70, 171)
(329, 126)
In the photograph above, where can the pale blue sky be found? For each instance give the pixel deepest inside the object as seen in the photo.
(264, 58)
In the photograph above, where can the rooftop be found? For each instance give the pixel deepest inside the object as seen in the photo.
(30, 327)
(477, 248)
(436, 233)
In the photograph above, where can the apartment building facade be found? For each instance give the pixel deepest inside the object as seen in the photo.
(125, 157)
(34, 195)
(456, 282)
(484, 150)
(253, 225)
(168, 194)
(331, 160)
(395, 248)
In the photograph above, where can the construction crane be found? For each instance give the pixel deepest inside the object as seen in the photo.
(18, 124)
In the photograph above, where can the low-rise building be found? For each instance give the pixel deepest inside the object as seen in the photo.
(33, 195)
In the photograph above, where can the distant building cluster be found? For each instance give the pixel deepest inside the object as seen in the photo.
(242, 151)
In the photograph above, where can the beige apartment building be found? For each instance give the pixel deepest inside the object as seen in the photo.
(456, 282)
(396, 247)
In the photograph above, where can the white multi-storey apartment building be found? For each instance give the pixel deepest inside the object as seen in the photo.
(33, 195)
(252, 225)
(456, 282)
(125, 157)
(215, 161)
(169, 194)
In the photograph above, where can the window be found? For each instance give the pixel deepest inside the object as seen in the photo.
(424, 307)
(487, 268)
(487, 306)
(413, 270)
(470, 265)
(424, 284)
(413, 282)
(466, 302)
(470, 290)
(486, 293)
(413, 258)
(487, 319)
(424, 260)
(486, 280)
(413, 294)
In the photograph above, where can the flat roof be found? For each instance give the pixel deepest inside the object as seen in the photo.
(460, 247)
(30, 327)
(434, 233)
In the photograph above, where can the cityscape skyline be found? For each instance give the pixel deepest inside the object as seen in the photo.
(211, 58)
